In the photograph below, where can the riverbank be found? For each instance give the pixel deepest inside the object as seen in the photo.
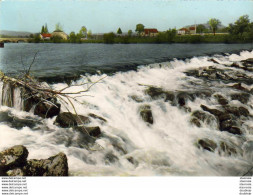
(161, 38)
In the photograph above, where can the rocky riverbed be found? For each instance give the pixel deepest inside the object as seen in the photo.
(191, 117)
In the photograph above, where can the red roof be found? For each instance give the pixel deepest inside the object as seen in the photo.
(150, 30)
(46, 35)
(184, 29)
(192, 28)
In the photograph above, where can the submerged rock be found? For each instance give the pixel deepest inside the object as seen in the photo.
(195, 122)
(47, 109)
(146, 113)
(156, 93)
(13, 157)
(207, 144)
(228, 149)
(242, 97)
(97, 117)
(221, 99)
(204, 117)
(67, 119)
(92, 131)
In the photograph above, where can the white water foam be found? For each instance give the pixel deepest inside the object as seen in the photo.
(165, 148)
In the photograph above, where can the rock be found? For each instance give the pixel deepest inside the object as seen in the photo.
(207, 144)
(221, 99)
(67, 119)
(159, 93)
(204, 117)
(195, 122)
(214, 61)
(183, 97)
(146, 113)
(15, 172)
(110, 158)
(47, 109)
(14, 156)
(237, 111)
(234, 130)
(97, 117)
(242, 97)
(227, 149)
(92, 131)
(54, 166)
(136, 98)
(215, 112)
(239, 86)
(248, 61)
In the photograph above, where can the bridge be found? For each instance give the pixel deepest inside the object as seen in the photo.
(14, 40)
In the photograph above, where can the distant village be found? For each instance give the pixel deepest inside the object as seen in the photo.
(241, 31)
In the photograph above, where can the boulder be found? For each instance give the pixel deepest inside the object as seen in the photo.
(47, 109)
(204, 116)
(215, 112)
(97, 117)
(195, 122)
(227, 148)
(242, 97)
(207, 144)
(239, 86)
(54, 166)
(136, 98)
(221, 99)
(237, 111)
(13, 157)
(92, 131)
(159, 93)
(16, 172)
(67, 119)
(146, 113)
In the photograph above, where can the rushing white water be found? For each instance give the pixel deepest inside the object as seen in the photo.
(165, 148)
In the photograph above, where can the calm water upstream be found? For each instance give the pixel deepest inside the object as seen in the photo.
(57, 61)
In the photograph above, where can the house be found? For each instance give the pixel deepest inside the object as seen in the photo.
(183, 31)
(45, 36)
(60, 34)
(150, 32)
(187, 30)
(193, 29)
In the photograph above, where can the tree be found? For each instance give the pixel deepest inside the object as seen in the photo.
(83, 32)
(201, 28)
(139, 28)
(46, 29)
(109, 37)
(72, 37)
(119, 31)
(58, 27)
(241, 26)
(214, 23)
(89, 34)
(42, 30)
(130, 32)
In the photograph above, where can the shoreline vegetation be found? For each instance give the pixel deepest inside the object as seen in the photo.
(241, 31)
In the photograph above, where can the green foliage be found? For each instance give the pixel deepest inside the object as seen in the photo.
(72, 37)
(201, 28)
(214, 23)
(58, 27)
(119, 31)
(139, 28)
(89, 34)
(242, 28)
(56, 39)
(83, 32)
(37, 38)
(130, 32)
(109, 37)
(46, 29)
(42, 30)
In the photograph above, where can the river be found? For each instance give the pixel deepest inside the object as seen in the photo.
(171, 144)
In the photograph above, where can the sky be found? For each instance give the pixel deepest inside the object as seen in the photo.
(101, 16)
